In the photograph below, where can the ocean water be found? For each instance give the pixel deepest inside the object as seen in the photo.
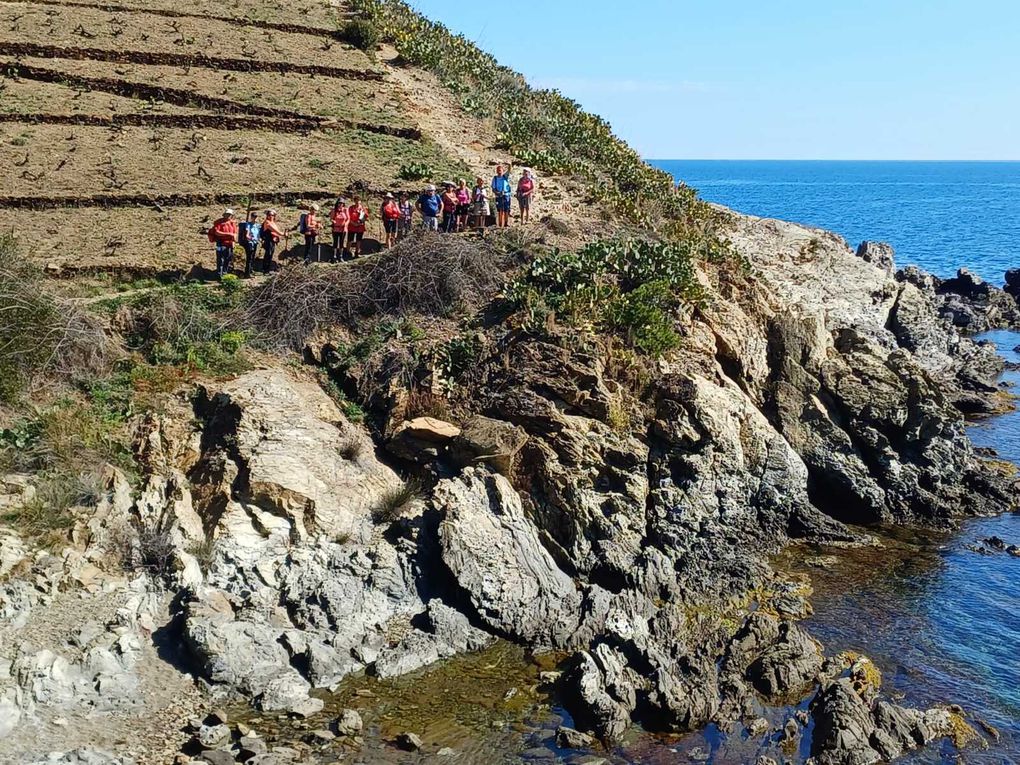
(938, 215)
(941, 620)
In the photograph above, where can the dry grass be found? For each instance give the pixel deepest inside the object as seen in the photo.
(43, 337)
(427, 274)
(395, 502)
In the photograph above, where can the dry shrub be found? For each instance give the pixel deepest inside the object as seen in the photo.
(43, 336)
(423, 403)
(428, 274)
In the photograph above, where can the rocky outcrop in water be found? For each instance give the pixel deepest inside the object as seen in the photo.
(621, 514)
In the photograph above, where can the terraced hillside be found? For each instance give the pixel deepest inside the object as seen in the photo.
(126, 126)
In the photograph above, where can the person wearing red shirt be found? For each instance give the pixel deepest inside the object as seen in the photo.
(357, 214)
(525, 193)
(449, 208)
(391, 219)
(339, 218)
(224, 234)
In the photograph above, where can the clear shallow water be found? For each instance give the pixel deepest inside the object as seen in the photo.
(938, 215)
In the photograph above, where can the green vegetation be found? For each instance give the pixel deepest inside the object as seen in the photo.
(630, 287)
(362, 34)
(415, 171)
(541, 127)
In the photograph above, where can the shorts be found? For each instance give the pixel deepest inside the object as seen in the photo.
(503, 204)
(430, 222)
(524, 202)
(390, 226)
(355, 236)
(463, 209)
(481, 209)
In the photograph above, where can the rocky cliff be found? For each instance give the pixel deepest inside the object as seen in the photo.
(621, 512)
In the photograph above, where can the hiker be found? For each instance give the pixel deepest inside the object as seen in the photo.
(391, 219)
(502, 191)
(463, 204)
(480, 203)
(224, 234)
(339, 216)
(309, 225)
(248, 235)
(406, 214)
(430, 206)
(525, 191)
(357, 214)
(271, 233)
(449, 208)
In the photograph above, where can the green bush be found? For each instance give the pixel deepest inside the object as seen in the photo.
(631, 287)
(362, 34)
(415, 171)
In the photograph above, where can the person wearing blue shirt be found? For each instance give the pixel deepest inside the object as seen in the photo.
(430, 204)
(248, 235)
(502, 190)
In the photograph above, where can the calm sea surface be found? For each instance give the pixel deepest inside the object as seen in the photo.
(938, 215)
(942, 621)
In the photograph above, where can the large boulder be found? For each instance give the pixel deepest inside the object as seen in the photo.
(282, 445)
(496, 556)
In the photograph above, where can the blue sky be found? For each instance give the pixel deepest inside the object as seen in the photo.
(783, 79)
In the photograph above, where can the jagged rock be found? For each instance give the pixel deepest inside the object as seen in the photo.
(422, 439)
(600, 692)
(217, 757)
(279, 444)
(496, 556)
(879, 254)
(213, 736)
(788, 665)
(83, 757)
(1013, 282)
(568, 738)
(494, 442)
(348, 723)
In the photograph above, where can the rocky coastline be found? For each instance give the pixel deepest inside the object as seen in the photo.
(619, 518)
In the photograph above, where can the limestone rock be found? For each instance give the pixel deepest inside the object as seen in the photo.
(494, 442)
(496, 556)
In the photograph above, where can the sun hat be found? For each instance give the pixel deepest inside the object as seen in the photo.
(449, 184)
(388, 195)
(315, 208)
(430, 187)
(228, 211)
(270, 212)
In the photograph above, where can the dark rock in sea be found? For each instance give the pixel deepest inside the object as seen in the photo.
(1013, 282)
(996, 543)
(967, 285)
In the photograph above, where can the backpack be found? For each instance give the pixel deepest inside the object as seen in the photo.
(301, 223)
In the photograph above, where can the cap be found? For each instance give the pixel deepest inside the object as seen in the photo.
(270, 212)
(228, 211)
(431, 187)
(449, 184)
(388, 196)
(315, 208)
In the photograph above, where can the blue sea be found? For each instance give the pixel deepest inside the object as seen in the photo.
(939, 619)
(938, 215)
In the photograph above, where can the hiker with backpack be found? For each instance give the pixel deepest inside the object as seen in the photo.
(248, 235)
(339, 218)
(502, 191)
(271, 234)
(391, 215)
(309, 226)
(357, 214)
(224, 234)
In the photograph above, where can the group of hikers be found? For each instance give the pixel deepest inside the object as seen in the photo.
(456, 209)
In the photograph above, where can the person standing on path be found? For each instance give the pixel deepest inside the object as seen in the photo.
(309, 226)
(357, 215)
(406, 214)
(338, 220)
(463, 204)
(449, 208)
(502, 191)
(430, 206)
(248, 235)
(525, 193)
(224, 235)
(271, 233)
(390, 214)
(480, 203)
